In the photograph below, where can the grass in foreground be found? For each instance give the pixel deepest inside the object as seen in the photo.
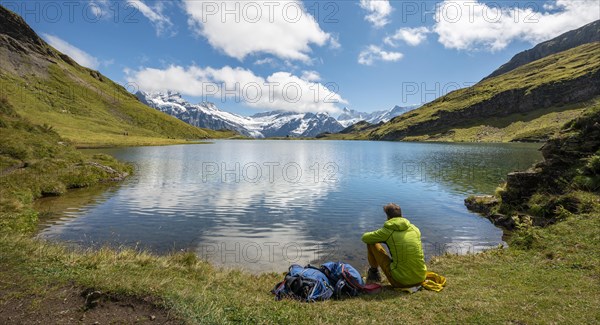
(556, 281)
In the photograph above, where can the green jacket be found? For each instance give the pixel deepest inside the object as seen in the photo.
(404, 242)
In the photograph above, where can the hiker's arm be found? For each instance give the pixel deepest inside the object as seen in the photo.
(377, 236)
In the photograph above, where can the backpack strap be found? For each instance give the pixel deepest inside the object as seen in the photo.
(350, 280)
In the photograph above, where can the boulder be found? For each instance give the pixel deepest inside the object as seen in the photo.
(481, 203)
(504, 221)
(520, 186)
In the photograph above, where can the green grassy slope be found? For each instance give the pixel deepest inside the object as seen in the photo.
(85, 107)
(562, 84)
(87, 111)
(534, 126)
(35, 161)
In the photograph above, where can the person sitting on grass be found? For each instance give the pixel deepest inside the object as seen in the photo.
(406, 267)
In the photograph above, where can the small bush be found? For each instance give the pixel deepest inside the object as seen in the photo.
(562, 214)
(593, 165)
(499, 190)
(525, 237)
(552, 208)
(587, 183)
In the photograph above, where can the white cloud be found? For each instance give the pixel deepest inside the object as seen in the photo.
(75, 53)
(264, 61)
(99, 8)
(161, 22)
(334, 42)
(472, 25)
(240, 28)
(411, 36)
(279, 91)
(379, 10)
(374, 53)
(310, 76)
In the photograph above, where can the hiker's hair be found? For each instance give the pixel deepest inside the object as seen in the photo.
(392, 210)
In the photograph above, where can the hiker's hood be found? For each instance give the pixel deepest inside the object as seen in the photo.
(398, 224)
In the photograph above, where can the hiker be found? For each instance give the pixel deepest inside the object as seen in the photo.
(406, 267)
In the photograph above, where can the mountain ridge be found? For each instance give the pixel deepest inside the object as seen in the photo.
(259, 125)
(276, 123)
(348, 117)
(586, 34)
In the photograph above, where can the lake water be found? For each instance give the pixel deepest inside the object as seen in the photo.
(262, 205)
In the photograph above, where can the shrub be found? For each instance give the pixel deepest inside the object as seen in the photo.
(593, 165)
(525, 237)
(587, 183)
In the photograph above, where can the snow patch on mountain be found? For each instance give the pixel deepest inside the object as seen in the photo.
(268, 124)
(349, 116)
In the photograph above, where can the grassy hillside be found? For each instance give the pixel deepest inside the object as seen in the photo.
(85, 107)
(534, 126)
(87, 111)
(35, 161)
(530, 102)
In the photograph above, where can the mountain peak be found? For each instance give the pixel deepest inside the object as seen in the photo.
(14, 26)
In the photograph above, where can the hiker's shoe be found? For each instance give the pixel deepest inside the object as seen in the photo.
(373, 275)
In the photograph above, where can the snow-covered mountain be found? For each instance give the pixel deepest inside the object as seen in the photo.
(269, 124)
(350, 116)
(204, 115)
(280, 124)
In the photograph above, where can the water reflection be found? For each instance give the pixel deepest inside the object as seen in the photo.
(261, 205)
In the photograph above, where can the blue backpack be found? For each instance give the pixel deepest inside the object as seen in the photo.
(332, 279)
(304, 283)
(347, 279)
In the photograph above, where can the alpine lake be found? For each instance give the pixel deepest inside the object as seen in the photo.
(261, 205)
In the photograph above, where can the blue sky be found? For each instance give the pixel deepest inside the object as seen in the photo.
(300, 55)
